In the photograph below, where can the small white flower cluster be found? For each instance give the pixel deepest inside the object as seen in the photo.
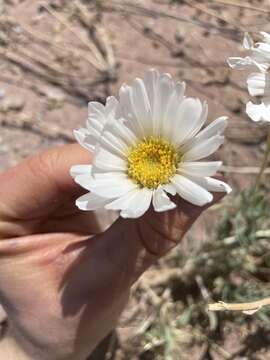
(258, 83)
(146, 147)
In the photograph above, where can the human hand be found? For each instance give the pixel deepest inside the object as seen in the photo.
(63, 282)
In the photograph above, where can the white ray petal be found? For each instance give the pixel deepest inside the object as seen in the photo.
(172, 108)
(264, 49)
(240, 63)
(141, 105)
(161, 201)
(186, 119)
(100, 113)
(202, 168)
(90, 201)
(114, 144)
(95, 124)
(84, 180)
(180, 88)
(260, 57)
(96, 111)
(111, 187)
(212, 184)
(214, 128)
(203, 148)
(190, 191)
(164, 90)
(128, 111)
(108, 161)
(111, 105)
(123, 202)
(139, 205)
(80, 170)
(118, 128)
(150, 81)
(169, 188)
(84, 139)
(199, 124)
(109, 175)
(260, 112)
(266, 37)
(258, 84)
(248, 43)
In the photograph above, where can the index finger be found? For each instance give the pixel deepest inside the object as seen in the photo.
(41, 183)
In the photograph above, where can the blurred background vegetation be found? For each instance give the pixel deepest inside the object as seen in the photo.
(56, 56)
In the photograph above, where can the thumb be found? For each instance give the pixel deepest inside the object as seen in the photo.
(117, 257)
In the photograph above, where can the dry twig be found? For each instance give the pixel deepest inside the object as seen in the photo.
(249, 308)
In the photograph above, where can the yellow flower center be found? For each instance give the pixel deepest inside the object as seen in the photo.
(152, 162)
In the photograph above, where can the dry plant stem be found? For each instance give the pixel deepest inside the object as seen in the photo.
(58, 49)
(108, 47)
(264, 162)
(97, 61)
(247, 308)
(251, 170)
(135, 9)
(240, 5)
(209, 12)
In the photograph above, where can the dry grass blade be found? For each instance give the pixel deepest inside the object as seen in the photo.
(57, 49)
(248, 308)
(107, 45)
(96, 59)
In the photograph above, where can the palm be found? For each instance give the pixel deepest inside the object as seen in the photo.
(62, 290)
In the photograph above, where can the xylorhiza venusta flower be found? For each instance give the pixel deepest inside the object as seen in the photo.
(145, 146)
(259, 82)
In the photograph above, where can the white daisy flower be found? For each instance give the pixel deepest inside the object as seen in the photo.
(145, 146)
(258, 83)
(259, 112)
(259, 54)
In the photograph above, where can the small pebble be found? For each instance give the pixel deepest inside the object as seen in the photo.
(12, 103)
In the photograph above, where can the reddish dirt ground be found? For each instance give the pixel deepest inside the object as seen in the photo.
(54, 59)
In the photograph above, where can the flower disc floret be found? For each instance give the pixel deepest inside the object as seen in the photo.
(152, 162)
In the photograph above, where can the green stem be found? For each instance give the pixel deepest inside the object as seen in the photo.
(264, 162)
